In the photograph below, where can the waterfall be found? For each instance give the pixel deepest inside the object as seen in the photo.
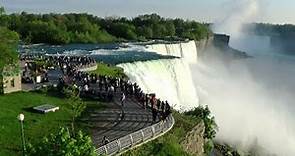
(252, 112)
(186, 50)
(171, 80)
(189, 52)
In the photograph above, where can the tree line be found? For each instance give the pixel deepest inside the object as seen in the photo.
(267, 29)
(85, 28)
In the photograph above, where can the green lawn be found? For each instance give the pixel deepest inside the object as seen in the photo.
(109, 70)
(36, 125)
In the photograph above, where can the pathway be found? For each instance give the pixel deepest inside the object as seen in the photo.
(111, 124)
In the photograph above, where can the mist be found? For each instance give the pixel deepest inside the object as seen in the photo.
(239, 12)
(252, 99)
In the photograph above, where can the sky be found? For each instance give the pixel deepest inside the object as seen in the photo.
(270, 11)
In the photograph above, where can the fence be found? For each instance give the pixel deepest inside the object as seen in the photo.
(89, 67)
(136, 138)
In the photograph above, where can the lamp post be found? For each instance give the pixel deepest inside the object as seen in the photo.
(21, 118)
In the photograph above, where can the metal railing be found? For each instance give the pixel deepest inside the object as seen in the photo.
(88, 67)
(134, 139)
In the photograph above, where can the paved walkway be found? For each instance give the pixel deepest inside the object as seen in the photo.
(111, 124)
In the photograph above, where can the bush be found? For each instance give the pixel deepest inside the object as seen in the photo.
(63, 144)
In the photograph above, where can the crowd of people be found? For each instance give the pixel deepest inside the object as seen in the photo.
(102, 87)
(32, 71)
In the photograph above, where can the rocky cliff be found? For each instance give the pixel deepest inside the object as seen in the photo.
(194, 140)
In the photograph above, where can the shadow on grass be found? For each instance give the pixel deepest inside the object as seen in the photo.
(31, 110)
(50, 91)
(10, 148)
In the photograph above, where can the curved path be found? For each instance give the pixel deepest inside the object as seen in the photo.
(115, 121)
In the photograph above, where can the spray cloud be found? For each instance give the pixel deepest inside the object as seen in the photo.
(241, 11)
(251, 99)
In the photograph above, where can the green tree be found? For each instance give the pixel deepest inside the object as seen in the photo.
(84, 28)
(2, 11)
(77, 105)
(124, 30)
(170, 28)
(145, 31)
(205, 114)
(8, 46)
(63, 144)
(159, 30)
(4, 19)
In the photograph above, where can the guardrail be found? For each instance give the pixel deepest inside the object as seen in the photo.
(89, 67)
(137, 138)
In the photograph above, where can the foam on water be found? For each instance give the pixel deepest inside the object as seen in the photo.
(128, 48)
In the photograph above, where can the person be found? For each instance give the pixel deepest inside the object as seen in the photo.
(158, 104)
(168, 109)
(146, 100)
(105, 140)
(110, 93)
(112, 89)
(123, 97)
(86, 88)
(142, 100)
(154, 114)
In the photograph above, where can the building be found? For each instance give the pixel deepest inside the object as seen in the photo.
(10, 79)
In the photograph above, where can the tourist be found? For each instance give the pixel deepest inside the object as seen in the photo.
(154, 114)
(123, 97)
(105, 140)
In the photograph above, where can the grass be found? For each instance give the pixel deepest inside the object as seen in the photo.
(109, 70)
(36, 125)
(168, 144)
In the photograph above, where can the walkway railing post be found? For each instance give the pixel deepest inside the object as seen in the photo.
(153, 130)
(119, 144)
(142, 134)
(106, 150)
(131, 139)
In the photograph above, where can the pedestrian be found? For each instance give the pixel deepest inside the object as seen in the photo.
(105, 140)
(123, 97)
(154, 113)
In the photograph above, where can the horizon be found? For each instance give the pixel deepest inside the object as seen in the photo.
(204, 12)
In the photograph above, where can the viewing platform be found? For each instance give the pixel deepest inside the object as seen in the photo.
(125, 126)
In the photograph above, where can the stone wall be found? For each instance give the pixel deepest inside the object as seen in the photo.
(11, 83)
(194, 141)
(221, 40)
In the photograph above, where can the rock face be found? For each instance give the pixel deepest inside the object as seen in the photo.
(283, 43)
(194, 141)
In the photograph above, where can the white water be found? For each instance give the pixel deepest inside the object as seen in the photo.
(252, 99)
(186, 50)
(253, 111)
(171, 80)
(130, 47)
